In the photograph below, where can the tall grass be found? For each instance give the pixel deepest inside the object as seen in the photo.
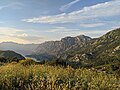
(41, 77)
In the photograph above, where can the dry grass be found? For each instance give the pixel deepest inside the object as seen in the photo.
(40, 77)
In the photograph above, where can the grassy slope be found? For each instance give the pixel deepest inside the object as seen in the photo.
(41, 77)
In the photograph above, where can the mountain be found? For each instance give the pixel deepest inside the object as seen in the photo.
(82, 49)
(51, 49)
(103, 50)
(10, 55)
(23, 49)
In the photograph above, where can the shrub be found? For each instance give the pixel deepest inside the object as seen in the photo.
(28, 61)
(43, 77)
(2, 59)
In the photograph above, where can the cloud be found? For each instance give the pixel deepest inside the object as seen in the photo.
(47, 19)
(14, 4)
(8, 30)
(63, 32)
(90, 25)
(5, 6)
(29, 38)
(18, 35)
(67, 6)
(59, 29)
(102, 10)
(6, 34)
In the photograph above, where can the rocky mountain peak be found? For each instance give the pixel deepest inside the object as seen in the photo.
(56, 48)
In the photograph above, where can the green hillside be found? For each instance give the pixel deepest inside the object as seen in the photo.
(8, 56)
(103, 50)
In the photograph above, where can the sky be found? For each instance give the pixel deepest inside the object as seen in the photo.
(37, 21)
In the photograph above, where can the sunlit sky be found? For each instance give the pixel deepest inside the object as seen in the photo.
(36, 21)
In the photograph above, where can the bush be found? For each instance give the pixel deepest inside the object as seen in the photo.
(28, 61)
(43, 77)
(2, 59)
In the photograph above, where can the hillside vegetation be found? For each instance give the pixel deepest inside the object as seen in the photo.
(9, 56)
(16, 76)
(100, 51)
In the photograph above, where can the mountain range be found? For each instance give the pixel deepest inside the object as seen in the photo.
(23, 49)
(83, 49)
(52, 49)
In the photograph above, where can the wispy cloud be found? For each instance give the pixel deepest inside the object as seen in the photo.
(14, 4)
(90, 25)
(29, 38)
(9, 31)
(67, 6)
(107, 9)
(63, 32)
(18, 35)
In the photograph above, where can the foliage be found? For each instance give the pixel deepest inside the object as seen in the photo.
(28, 61)
(113, 68)
(8, 60)
(43, 77)
(3, 60)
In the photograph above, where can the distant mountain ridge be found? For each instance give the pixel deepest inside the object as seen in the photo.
(23, 49)
(7, 56)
